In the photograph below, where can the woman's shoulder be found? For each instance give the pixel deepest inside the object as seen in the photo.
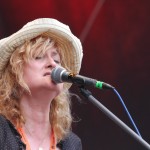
(5, 125)
(71, 141)
(9, 137)
(3, 122)
(2, 118)
(72, 137)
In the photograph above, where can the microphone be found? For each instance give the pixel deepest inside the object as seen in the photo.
(60, 75)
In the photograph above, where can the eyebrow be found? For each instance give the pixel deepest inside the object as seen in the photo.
(54, 53)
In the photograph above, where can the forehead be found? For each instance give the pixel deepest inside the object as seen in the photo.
(44, 45)
(53, 51)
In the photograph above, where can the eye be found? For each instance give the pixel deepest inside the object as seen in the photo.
(38, 57)
(57, 62)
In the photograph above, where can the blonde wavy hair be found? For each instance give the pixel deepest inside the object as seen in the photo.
(12, 84)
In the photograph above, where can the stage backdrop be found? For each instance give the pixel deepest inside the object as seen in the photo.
(115, 35)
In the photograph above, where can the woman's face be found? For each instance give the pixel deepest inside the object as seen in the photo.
(37, 73)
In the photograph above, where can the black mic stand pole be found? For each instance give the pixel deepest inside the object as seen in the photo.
(114, 118)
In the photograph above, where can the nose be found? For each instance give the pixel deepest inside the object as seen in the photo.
(51, 63)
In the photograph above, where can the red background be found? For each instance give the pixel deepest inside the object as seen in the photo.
(115, 36)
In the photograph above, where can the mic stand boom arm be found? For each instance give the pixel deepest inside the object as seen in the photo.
(114, 118)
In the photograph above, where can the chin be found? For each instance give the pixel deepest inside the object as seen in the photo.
(55, 87)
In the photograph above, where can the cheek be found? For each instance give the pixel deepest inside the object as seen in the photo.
(60, 87)
(27, 78)
(29, 74)
(30, 69)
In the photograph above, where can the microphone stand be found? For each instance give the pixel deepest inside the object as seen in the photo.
(114, 118)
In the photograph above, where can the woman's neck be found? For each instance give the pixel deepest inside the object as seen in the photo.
(35, 111)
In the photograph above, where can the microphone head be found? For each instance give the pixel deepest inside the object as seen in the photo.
(56, 74)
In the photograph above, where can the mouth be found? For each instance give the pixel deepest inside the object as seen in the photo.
(47, 74)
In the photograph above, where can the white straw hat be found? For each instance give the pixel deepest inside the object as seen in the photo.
(70, 44)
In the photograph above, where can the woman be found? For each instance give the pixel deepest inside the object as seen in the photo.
(34, 111)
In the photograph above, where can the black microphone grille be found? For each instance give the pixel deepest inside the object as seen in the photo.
(57, 74)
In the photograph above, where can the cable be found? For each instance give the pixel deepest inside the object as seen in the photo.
(122, 102)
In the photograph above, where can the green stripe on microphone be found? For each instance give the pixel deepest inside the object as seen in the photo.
(99, 85)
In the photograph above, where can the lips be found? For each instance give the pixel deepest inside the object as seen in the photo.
(47, 74)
